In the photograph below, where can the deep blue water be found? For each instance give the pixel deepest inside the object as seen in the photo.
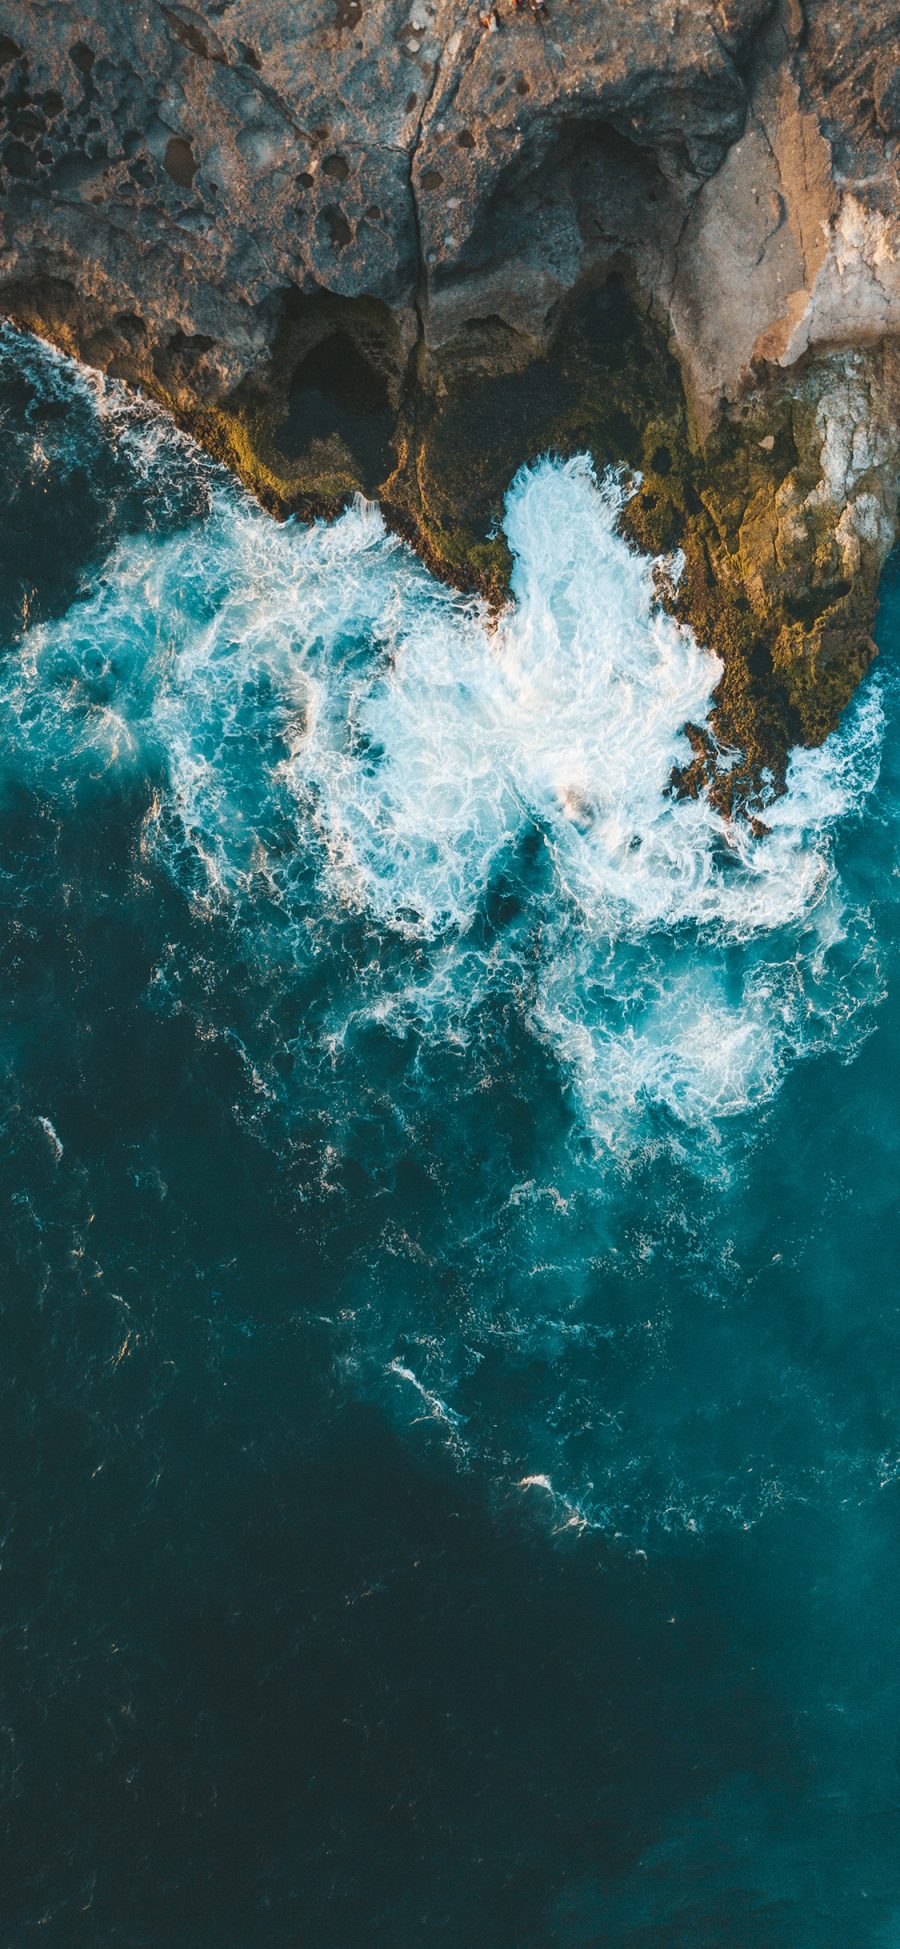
(451, 1341)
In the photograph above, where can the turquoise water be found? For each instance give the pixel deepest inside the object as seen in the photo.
(451, 1399)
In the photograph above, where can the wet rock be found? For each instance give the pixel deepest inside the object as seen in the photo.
(416, 207)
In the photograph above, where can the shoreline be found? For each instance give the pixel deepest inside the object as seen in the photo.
(405, 253)
(338, 409)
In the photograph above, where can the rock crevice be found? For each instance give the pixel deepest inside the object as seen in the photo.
(195, 199)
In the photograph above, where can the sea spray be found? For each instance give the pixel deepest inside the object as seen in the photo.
(313, 691)
(491, 1001)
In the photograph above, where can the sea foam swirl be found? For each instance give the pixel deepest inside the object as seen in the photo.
(425, 864)
(315, 688)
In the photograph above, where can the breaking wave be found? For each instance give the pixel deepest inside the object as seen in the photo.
(488, 982)
(496, 797)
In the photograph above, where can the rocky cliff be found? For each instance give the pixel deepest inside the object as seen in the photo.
(402, 244)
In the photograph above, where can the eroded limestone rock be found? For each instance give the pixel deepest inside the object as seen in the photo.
(364, 244)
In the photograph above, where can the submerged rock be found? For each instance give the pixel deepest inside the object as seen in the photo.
(368, 245)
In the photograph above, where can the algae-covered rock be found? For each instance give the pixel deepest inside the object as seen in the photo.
(318, 420)
(605, 384)
(400, 251)
(781, 515)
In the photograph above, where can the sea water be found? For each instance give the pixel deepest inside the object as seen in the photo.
(452, 1400)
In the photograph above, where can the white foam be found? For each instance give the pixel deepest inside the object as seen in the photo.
(340, 759)
(318, 685)
(52, 1137)
(570, 715)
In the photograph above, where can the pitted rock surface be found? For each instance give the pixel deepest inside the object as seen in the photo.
(195, 197)
(187, 165)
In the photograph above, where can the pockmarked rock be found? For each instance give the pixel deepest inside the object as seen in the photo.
(368, 245)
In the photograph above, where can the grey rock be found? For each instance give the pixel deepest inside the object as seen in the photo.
(178, 181)
(187, 165)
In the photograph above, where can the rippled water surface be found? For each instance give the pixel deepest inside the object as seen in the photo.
(451, 1378)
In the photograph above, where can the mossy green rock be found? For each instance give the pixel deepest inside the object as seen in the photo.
(438, 438)
(782, 513)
